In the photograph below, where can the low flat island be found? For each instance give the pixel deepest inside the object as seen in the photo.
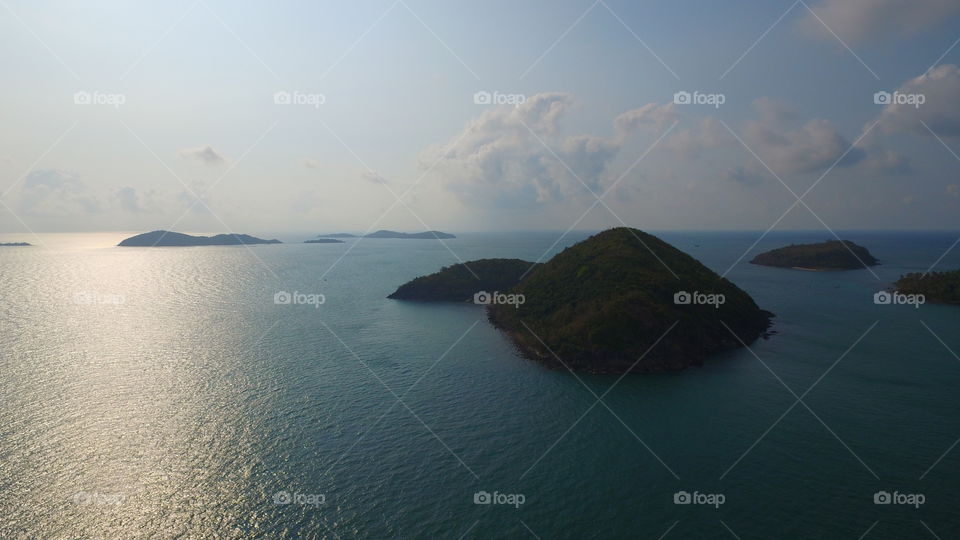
(830, 255)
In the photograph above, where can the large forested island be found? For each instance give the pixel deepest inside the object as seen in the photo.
(458, 283)
(173, 239)
(935, 286)
(607, 305)
(829, 255)
(15, 244)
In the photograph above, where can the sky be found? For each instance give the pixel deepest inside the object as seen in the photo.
(254, 117)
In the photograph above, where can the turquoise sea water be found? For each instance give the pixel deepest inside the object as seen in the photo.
(163, 393)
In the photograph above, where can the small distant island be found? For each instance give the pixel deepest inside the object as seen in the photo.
(428, 235)
(829, 255)
(15, 244)
(324, 241)
(458, 283)
(609, 304)
(936, 286)
(173, 239)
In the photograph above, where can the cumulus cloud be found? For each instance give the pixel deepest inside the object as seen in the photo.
(776, 136)
(650, 116)
(137, 202)
(859, 21)
(812, 147)
(206, 154)
(517, 157)
(55, 191)
(940, 88)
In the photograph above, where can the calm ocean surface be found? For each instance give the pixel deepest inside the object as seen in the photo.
(162, 393)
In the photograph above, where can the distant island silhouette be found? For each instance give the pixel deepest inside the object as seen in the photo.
(936, 286)
(15, 244)
(174, 239)
(324, 241)
(383, 233)
(620, 301)
(829, 255)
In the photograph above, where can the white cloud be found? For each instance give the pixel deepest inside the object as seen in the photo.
(651, 116)
(776, 137)
(517, 157)
(205, 154)
(858, 21)
(941, 90)
(137, 202)
(55, 191)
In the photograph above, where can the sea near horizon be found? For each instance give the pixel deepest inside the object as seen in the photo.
(163, 392)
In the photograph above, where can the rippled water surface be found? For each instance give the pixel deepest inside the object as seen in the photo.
(162, 393)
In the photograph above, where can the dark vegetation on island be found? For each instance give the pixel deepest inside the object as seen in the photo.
(829, 255)
(324, 241)
(935, 286)
(15, 244)
(605, 305)
(457, 284)
(173, 239)
(428, 235)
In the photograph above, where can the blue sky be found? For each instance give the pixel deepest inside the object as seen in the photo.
(184, 131)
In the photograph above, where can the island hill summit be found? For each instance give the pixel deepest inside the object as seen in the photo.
(620, 301)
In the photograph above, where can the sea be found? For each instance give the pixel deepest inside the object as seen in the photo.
(273, 391)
